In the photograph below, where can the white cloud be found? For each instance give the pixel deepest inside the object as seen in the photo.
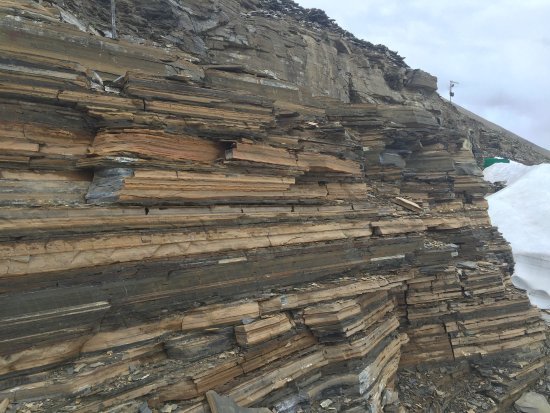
(499, 51)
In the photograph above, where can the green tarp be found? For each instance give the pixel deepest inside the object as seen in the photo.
(491, 161)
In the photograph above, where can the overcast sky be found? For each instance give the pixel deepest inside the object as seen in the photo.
(499, 51)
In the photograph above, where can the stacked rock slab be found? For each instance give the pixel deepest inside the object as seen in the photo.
(168, 228)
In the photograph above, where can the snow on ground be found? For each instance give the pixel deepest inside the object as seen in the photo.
(521, 211)
(505, 172)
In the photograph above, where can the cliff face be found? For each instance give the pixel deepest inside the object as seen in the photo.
(270, 39)
(241, 197)
(278, 39)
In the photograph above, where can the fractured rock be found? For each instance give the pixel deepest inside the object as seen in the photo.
(223, 404)
(216, 226)
(532, 402)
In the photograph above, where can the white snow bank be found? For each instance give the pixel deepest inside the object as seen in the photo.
(505, 172)
(521, 211)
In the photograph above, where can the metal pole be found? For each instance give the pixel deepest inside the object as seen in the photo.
(452, 84)
(113, 17)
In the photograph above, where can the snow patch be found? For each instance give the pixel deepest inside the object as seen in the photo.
(521, 211)
(505, 172)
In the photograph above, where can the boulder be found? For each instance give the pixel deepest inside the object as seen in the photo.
(419, 79)
(532, 402)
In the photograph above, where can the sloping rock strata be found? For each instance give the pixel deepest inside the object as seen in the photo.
(176, 221)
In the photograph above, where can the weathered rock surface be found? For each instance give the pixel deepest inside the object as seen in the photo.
(274, 210)
(224, 404)
(490, 140)
(532, 402)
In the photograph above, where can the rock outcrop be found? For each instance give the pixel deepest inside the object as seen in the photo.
(490, 140)
(248, 201)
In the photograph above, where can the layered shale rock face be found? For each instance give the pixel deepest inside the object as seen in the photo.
(274, 211)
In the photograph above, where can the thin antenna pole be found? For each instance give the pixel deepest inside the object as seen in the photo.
(452, 84)
(113, 18)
